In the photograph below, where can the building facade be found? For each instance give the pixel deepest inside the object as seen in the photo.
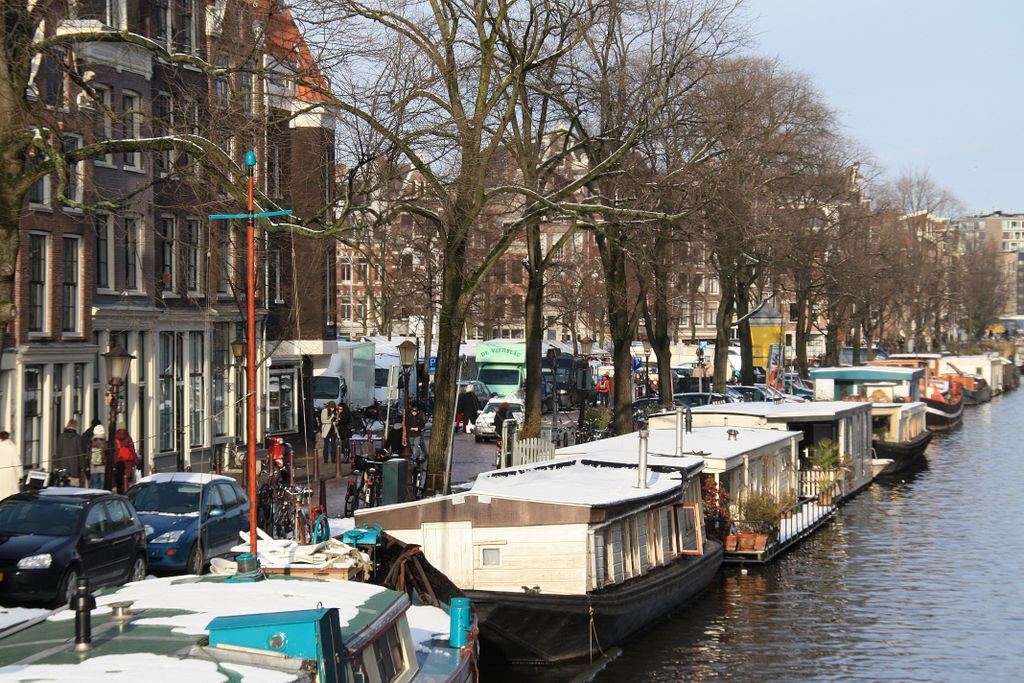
(141, 266)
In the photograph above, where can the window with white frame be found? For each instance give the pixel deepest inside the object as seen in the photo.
(331, 288)
(346, 269)
(364, 270)
(163, 124)
(104, 123)
(346, 311)
(104, 251)
(245, 91)
(184, 26)
(39, 193)
(38, 266)
(712, 314)
(281, 404)
(190, 243)
(73, 188)
(132, 256)
(71, 299)
(221, 94)
(131, 127)
(32, 415)
(165, 253)
(226, 269)
(712, 284)
(196, 395)
(162, 22)
(166, 355)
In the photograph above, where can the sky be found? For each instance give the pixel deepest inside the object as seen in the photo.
(923, 85)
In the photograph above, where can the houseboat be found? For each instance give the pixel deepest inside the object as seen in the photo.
(751, 475)
(986, 366)
(213, 629)
(845, 423)
(898, 417)
(562, 558)
(940, 391)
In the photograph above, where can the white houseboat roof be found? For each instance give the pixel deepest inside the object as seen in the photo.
(928, 356)
(810, 410)
(702, 443)
(869, 373)
(580, 482)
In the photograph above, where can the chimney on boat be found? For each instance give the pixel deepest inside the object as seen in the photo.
(642, 469)
(679, 431)
(689, 420)
(84, 603)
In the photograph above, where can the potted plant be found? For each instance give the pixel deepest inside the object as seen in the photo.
(787, 502)
(826, 457)
(761, 510)
(716, 510)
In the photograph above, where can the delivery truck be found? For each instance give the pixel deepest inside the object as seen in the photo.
(347, 376)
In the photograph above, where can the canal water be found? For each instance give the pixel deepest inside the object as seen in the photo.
(920, 579)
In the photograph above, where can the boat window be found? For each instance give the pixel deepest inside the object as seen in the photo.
(688, 516)
(491, 557)
(390, 656)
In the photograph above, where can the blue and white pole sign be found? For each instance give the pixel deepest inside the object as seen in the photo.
(636, 364)
(432, 364)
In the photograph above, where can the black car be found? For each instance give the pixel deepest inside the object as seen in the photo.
(50, 537)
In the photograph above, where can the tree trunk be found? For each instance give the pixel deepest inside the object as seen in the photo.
(723, 323)
(802, 335)
(743, 331)
(534, 329)
(622, 323)
(856, 342)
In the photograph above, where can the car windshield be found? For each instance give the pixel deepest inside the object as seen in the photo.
(326, 387)
(39, 516)
(501, 377)
(173, 497)
(380, 377)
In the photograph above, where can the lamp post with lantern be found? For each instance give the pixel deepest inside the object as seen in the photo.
(584, 382)
(238, 353)
(117, 361)
(647, 366)
(407, 355)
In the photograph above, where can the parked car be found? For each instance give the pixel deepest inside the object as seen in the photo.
(50, 537)
(484, 428)
(748, 394)
(783, 396)
(189, 518)
(694, 399)
(798, 386)
(479, 388)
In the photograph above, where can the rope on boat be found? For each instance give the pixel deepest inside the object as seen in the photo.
(592, 634)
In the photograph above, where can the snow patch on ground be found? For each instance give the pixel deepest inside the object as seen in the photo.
(128, 668)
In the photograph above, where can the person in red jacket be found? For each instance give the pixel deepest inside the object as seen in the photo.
(125, 459)
(603, 388)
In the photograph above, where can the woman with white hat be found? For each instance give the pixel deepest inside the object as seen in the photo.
(97, 457)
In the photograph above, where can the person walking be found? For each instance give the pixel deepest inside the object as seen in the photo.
(603, 388)
(468, 408)
(10, 466)
(97, 457)
(414, 431)
(67, 455)
(126, 459)
(343, 424)
(329, 431)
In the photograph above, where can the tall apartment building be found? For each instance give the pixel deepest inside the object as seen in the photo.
(1003, 232)
(148, 271)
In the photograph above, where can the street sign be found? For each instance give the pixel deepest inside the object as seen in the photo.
(432, 364)
(703, 346)
(636, 364)
(392, 392)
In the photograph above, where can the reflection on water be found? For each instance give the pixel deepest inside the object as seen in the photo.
(917, 579)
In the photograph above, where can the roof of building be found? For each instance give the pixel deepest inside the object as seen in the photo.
(286, 44)
(784, 411)
(868, 373)
(701, 443)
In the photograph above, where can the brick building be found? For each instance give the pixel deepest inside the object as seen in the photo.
(148, 271)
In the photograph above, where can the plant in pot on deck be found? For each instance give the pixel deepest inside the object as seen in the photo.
(716, 510)
(827, 458)
(759, 510)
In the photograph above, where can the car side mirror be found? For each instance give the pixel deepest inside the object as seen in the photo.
(215, 512)
(92, 537)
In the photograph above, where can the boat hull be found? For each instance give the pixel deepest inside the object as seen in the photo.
(532, 628)
(942, 416)
(904, 454)
(979, 396)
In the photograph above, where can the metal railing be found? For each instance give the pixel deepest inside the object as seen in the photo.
(793, 522)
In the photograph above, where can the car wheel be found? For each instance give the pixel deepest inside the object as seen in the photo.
(138, 572)
(195, 563)
(66, 588)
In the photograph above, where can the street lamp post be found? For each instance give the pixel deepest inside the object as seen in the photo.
(407, 355)
(250, 217)
(647, 367)
(117, 363)
(583, 380)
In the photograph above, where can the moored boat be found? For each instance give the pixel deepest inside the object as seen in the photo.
(562, 558)
(945, 404)
(215, 629)
(900, 434)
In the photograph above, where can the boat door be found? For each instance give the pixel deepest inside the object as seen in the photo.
(449, 547)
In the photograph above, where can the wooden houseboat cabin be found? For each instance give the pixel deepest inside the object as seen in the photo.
(845, 423)
(757, 468)
(560, 555)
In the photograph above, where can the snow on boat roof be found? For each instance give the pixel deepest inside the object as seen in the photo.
(702, 443)
(141, 666)
(199, 601)
(809, 409)
(926, 356)
(183, 477)
(868, 373)
(575, 482)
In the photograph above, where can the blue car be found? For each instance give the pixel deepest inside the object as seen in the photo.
(189, 518)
